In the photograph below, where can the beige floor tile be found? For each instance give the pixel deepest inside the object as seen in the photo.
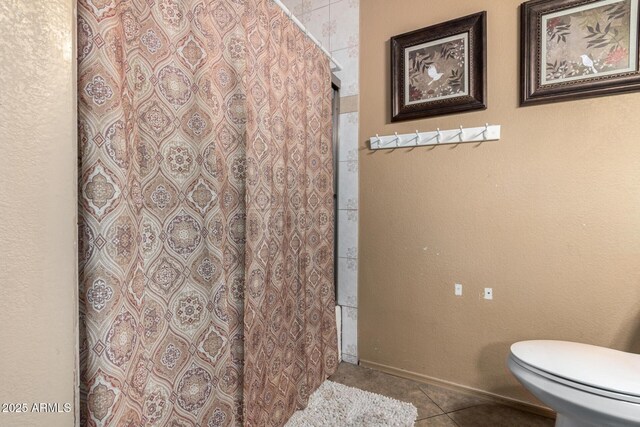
(492, 415)
(352, 375)
(463, 410)
(437, 421)
(451, 400)
(387, 385)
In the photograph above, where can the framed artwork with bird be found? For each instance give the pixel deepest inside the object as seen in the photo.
(574, 49)
(439, 69)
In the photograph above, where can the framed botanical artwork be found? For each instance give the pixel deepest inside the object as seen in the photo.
(439, 69)
(578, 48)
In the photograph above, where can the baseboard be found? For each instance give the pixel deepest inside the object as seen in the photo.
(496, 398)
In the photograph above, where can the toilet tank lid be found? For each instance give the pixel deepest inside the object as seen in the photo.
(598, 367)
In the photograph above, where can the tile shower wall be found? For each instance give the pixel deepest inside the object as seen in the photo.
(336, 25)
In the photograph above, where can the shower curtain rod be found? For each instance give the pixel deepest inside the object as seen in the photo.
(337, 66)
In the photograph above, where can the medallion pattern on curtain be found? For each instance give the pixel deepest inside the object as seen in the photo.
(291, 343)
(206, 213)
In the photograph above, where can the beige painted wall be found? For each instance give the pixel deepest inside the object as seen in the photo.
(37, 209)
(549, 216)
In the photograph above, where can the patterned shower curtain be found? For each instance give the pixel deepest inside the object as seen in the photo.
(290, 333)
(206, 209)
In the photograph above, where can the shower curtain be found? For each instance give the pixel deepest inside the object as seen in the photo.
(206, 213)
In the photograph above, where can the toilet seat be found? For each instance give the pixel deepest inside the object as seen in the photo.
(576, 385)
(595, 370)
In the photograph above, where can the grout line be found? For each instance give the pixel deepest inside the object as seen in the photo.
(492, 398)
(468, 407)
(452, 420)
(431, 416)
(473, 406)
(433, 401)
(350, 46)
(345, 48)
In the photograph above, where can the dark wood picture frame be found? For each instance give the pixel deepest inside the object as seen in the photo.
(533, 91)
(475, 67)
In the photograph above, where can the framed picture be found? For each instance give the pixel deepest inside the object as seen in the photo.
(578, 48)
(439, 69)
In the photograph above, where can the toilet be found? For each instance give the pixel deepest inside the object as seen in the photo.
(588, 386)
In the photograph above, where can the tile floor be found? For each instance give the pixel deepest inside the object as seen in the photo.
(438, 406)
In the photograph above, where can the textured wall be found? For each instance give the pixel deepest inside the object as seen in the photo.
(38, 209)
(549, 216)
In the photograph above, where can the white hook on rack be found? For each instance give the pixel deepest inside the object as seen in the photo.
(437, 137)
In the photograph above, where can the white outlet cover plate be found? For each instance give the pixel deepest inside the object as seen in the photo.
(458, 289)
(488, 293)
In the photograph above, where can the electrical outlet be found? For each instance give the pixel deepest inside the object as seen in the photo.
(488, 293)
(458, 289)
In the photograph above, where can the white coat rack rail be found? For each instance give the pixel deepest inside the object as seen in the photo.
(438, 137)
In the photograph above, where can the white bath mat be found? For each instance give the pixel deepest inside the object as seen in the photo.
(335, 404)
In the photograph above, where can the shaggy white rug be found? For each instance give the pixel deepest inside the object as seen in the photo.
(335, 404)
